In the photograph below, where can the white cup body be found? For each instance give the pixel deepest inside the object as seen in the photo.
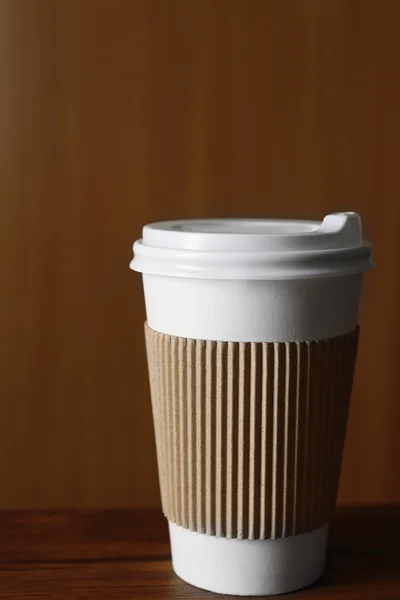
(260, 311)
(252, 311)
(248, 567)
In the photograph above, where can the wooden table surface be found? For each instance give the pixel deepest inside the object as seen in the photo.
(118, 554)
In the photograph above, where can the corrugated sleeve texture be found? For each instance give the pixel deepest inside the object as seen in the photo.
(250, 435)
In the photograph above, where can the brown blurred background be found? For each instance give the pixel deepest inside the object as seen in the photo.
(116, 113)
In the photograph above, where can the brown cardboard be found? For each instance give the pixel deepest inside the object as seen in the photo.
(249, 435)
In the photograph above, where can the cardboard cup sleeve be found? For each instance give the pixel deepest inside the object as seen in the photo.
(250, 436)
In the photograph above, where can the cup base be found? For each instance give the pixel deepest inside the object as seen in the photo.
(248, 567)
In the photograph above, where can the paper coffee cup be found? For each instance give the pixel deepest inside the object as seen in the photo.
(251, 337)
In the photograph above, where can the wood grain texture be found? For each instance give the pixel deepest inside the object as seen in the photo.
(116, 114)
(125, 554)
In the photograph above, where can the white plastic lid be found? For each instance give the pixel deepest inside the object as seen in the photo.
(254, 248)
